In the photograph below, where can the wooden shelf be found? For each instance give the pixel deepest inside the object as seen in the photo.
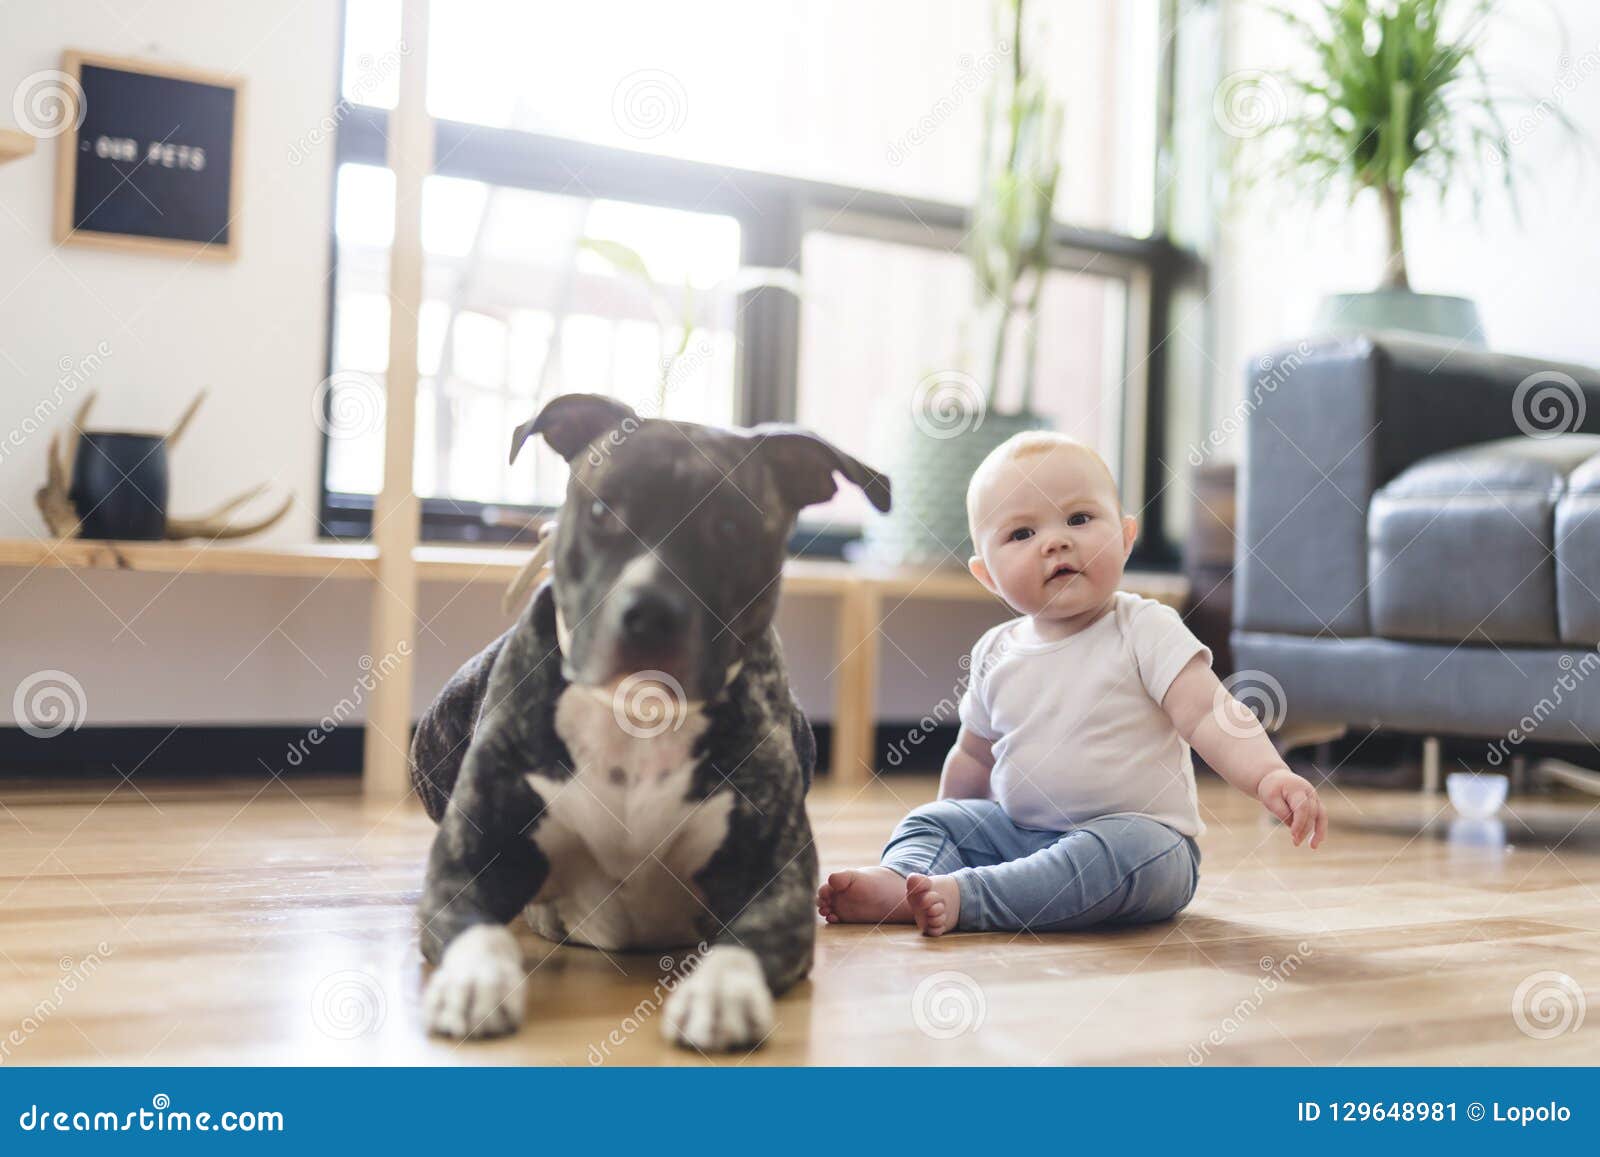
(469, 564)
(334, 560)
(14, 145)
(490, 564)
(865, 595)
(801, 576)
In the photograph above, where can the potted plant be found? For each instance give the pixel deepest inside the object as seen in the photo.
(682, 314)
(954, 417)
(1394, 97)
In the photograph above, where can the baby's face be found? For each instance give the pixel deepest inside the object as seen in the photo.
(1050, 538)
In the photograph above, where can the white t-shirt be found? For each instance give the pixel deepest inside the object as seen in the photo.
(1077, 724)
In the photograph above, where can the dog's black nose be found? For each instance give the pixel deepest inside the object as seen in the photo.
(652, 617)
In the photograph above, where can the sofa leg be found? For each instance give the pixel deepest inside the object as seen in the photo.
(1430, 765)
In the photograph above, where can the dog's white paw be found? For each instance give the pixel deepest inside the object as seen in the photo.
(476, 990)
(724, 1004)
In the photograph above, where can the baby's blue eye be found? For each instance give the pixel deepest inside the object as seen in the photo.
(1079, 519)
(1018, 534)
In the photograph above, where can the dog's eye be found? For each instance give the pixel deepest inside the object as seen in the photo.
(604, 517)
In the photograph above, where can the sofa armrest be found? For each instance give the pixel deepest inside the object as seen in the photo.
(1330, 421)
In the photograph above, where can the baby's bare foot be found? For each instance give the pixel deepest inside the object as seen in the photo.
(864, 896)
(935, 903)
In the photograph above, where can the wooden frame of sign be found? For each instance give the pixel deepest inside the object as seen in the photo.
(194, 238)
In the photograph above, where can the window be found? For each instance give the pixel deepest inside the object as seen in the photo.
(884, 95)
(881, 317)
(753, 215)
(522, 302)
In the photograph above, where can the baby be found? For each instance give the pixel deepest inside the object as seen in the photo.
(1069, 797)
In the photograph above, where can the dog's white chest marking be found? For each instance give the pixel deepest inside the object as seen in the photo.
(622, 836)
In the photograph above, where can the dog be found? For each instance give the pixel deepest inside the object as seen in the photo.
(627, 765)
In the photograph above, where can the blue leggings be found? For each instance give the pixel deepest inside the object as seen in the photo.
(1118, 869)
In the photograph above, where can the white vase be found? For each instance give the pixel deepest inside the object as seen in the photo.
(1400, 310)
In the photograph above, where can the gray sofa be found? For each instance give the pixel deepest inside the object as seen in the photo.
(1408, 556)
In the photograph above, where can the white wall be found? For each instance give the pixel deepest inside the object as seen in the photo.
(202, 649)
(1534, 283)
(252, 330)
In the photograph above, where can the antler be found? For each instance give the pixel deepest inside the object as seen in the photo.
(184, 420)
(531, 570)
(53, 498)
(215, 524)
(55, 501)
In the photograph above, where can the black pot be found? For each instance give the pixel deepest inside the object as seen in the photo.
(119, 485)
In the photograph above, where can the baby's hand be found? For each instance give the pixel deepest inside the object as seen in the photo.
(1293, 800)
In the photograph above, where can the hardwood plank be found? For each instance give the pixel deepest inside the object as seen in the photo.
(236, 923)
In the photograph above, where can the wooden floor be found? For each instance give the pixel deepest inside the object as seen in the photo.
(249, 924)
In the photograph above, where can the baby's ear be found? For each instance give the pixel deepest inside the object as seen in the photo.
(980, 571)
(1130, 532)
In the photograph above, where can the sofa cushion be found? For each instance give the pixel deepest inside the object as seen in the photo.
(1577, 535)
(1462, 545)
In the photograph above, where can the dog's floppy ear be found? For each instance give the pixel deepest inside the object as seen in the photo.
(571, 422)
(803, 466)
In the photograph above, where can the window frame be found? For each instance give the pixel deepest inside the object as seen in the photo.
(775, 212)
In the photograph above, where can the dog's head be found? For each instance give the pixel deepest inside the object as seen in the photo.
(672, 538)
